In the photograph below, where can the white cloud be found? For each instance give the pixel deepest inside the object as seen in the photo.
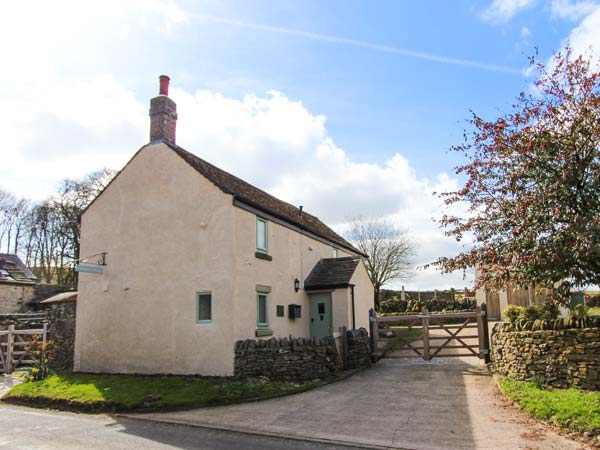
(525, 33)
(63, 113)
(587, 34)
(567, 9)
(504, 10)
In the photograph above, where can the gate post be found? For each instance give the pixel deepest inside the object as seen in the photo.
(486, 336)
(9, 348)
(480, 332)
(374, 330)
(425, 320)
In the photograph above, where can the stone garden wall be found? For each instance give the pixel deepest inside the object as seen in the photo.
(300, 359)
(61, 331)
(562, 353)
(359, 349)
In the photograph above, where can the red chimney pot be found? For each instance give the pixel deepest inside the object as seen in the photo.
(164, 85)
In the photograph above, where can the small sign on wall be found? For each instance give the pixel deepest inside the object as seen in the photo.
(86, 268)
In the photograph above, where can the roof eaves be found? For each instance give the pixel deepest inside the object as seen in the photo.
(318, 287)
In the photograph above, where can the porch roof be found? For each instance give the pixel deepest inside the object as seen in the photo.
(331, 273)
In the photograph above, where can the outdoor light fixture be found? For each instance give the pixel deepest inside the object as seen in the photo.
(296, 284)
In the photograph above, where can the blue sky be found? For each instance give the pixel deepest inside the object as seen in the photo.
(377, 103)
(345, 107)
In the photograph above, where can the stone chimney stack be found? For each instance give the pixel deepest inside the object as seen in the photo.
(163, 115)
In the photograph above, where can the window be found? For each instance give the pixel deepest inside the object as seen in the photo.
(262, 310)
(261, 235)
(204, 307)
(280, 311)
(336, 253)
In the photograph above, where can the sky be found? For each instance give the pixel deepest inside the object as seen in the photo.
(345, 107)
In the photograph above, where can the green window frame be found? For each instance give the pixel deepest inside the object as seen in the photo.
(262, 239)
(262, 310)
(204, 307)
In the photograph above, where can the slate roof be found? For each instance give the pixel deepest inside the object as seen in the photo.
(259, 199)
(12, 270)
(331, 273)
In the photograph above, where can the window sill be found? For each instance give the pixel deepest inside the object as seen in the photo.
(262, 332)
(264, 256)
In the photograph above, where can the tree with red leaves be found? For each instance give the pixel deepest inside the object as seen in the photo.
(533, 185)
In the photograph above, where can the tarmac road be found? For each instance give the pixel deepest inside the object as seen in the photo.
(30, 429)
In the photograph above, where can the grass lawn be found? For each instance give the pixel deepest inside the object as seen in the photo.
(572, 409)
(594, 311)
(95, 393)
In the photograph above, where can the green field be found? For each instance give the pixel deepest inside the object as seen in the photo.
(95, 393)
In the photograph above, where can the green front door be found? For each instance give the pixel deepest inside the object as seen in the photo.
(320, 315)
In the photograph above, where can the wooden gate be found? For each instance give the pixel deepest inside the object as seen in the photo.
(17, 347)
(442, 334)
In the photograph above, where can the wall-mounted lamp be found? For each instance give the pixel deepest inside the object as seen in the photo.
(296, 284)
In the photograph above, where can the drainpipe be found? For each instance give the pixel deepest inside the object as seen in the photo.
(353, 314)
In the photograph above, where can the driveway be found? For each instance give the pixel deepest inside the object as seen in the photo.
(6, 383)
(398, 403)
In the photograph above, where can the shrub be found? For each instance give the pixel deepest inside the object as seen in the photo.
(579, 312)
(512, 313)
(549, 311)
(531, 312)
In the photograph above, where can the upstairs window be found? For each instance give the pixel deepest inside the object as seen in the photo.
(336, 253)
(204, 307)
(262, 311)
(261, 235)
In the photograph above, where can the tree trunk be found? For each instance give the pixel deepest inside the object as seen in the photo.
(377, 292)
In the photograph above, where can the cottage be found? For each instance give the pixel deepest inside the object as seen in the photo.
(17, 284)
(194, 259)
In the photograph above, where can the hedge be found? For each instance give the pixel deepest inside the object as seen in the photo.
(399, 306)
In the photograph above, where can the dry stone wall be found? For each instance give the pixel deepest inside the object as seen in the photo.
(561, 356)
(61, 331)
(300, 359)
(359, 349)
(297, 359)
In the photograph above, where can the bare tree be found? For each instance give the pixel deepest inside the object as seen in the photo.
(70, 201)
(13, 213)
(390, 250)
(46, 233)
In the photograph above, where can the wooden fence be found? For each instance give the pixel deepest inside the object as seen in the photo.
(443, 327)
(17, 347)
